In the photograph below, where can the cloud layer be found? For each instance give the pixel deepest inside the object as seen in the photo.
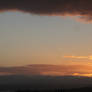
(48, 70)
(82, 8)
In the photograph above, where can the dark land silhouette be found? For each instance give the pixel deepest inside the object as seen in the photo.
(86, 89)
(21, 83)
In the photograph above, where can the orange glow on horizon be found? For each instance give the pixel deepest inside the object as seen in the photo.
(49, 70)
(85, 75)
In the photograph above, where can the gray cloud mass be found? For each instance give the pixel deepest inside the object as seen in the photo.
(82, 8)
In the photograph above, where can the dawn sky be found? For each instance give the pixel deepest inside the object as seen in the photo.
(30, 39)
(57, 32)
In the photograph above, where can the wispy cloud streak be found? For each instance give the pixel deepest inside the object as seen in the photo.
(79, 57)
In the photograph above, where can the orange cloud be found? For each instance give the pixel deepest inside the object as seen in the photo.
(79, 57)
(86, 75)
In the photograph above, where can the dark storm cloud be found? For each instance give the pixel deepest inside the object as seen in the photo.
(81, 8)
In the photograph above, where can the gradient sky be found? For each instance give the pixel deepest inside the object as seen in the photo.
(30, 39)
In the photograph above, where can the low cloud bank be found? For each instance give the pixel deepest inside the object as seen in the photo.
(48, 70)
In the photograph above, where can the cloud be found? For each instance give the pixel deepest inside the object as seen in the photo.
(82, 8)
(48, 70)
(86, 75)
(79, 57)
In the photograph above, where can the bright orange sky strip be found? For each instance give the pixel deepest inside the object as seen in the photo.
(79, 57)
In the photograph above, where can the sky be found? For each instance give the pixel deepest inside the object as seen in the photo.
(30, 39)
(43, 33)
